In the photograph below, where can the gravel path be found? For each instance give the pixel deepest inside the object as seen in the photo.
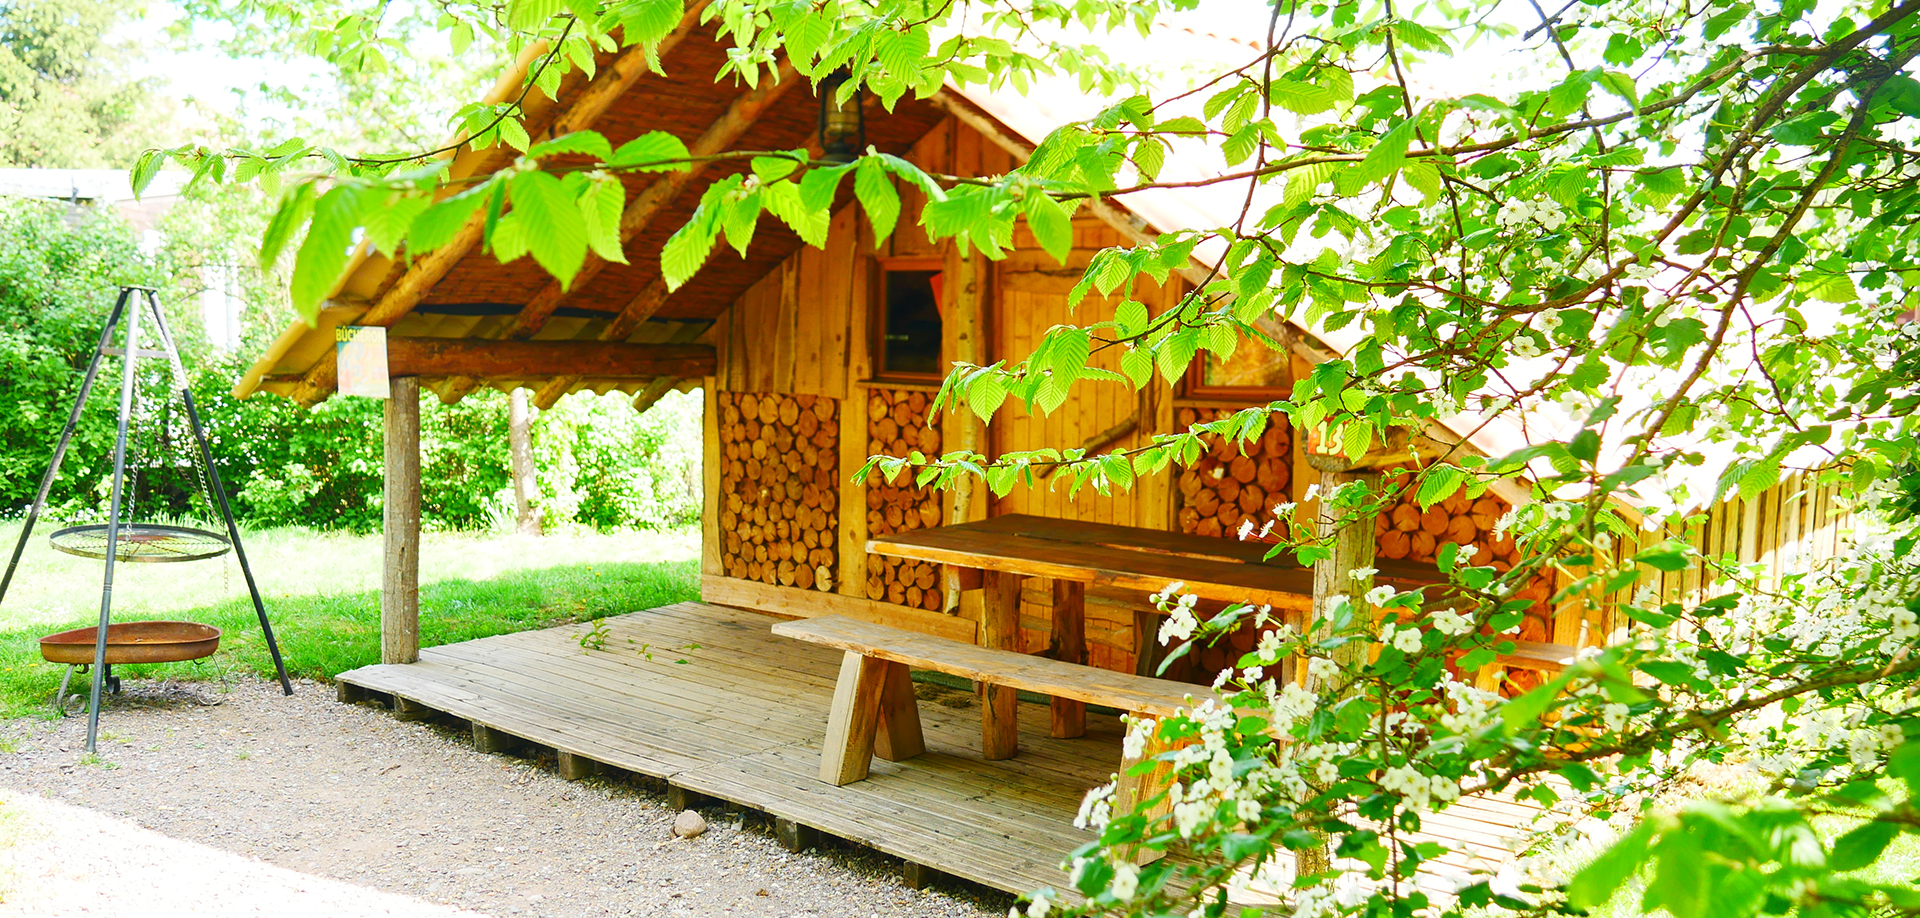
(305, 806)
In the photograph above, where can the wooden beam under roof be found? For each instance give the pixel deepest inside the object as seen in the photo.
(609, 84)
(484, 359)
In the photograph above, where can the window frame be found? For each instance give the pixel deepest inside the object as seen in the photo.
(877, 319)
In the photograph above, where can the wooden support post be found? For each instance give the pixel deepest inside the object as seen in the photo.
(1069, 646)
(680, 798)
(795, 837)
(1146, 643)
(347, 693)
(487, 739)
(898, 737)
(406, 709)
(400, 582)
(575, 767)
(919, 876)
(999, 629)
(847, 752)
(1132, 790)
(1352, 544)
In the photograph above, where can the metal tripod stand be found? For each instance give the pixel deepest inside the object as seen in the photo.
(134, 301)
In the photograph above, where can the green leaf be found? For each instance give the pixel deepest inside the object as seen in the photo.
(1051, 225)
(438, 224)
(295, 206)
(877, 197)
(144, 169)
(556, 229)
(1666, 557)
(601, 205)
(1860, 848)
(1137, 364)
(646, 22)
(583, 143)
(783, 200)
(820, 184)
(316, 269)
(1130, 318)
(1388, 155)
(655, 151)
(1596, 883)
(388, 224)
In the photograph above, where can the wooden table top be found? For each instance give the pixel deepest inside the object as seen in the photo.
(1103, 554)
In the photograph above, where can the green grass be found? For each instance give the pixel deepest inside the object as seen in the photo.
(322, 592)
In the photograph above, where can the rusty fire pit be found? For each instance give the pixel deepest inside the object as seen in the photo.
(134, 642)
(127, 642)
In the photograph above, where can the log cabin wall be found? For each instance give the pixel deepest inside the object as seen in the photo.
(798, 341)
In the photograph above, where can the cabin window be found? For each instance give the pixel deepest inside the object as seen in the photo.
(907, 331)
(1255, 369)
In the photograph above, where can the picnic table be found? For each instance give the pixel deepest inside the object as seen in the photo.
(993, 554)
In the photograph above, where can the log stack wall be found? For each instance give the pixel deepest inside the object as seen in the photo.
(897, 425)
(1234, 483)
(779, 489)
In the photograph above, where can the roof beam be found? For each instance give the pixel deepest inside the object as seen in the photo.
(523, 359)
(609, 84)
(637, 311)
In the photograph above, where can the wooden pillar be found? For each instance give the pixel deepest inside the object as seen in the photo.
(1069, 646)
(965, 332)
(999, 629)
(400, 582)
(1352, 544)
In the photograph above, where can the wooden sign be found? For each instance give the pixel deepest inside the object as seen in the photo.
(362, 359)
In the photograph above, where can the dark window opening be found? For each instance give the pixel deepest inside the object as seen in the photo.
(910, 324)
(1255, 369)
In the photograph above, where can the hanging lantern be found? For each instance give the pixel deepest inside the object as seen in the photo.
(843, 127)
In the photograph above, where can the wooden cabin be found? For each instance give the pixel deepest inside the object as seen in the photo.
(811, 360)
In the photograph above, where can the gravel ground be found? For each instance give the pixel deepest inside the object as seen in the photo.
(302, 805)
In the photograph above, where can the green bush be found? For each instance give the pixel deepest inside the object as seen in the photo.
(601, 465)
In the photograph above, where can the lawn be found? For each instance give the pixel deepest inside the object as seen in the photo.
(322, 591)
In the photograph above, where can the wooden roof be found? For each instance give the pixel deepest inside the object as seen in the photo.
(477, 297)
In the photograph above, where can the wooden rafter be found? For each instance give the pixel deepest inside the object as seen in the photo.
(654, 391)
(484, 359)
(420, 278)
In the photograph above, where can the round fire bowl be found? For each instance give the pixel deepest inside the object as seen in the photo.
(134, 642)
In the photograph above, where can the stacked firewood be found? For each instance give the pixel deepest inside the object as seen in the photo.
(1234, 483)
(1406, 532)
(779, 498)
(896, 426)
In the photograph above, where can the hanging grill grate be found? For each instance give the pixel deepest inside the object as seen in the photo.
(145, 543)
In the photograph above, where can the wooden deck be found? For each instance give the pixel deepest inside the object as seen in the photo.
(742, 720)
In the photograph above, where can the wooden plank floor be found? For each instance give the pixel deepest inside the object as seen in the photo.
(706, 698)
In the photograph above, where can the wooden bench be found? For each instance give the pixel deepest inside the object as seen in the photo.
(874, 710)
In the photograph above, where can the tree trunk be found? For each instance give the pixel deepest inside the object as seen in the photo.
(520, 445)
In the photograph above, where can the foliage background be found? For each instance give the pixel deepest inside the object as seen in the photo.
(601, 465)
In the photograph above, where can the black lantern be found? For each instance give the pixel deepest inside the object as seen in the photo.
(843, 127)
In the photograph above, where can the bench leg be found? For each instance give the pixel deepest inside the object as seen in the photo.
(1133, 789)
(1000, 629)
(1069, 646)
(848, 751)
(899, 736)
